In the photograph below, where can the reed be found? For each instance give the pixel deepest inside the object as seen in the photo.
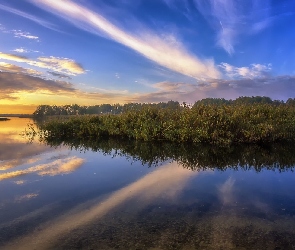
(214, 124)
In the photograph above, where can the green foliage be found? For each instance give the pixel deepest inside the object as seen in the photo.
(212, 123)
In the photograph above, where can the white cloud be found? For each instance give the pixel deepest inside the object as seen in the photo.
(21, 50)
(22, 34)
(24, 50)
(254, 71)
(166, 53)
(19, 33)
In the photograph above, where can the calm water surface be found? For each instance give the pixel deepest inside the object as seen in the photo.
(103, 195)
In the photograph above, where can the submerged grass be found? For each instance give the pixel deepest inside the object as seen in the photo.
(214, 124)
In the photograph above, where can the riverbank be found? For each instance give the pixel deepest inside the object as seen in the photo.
(214, 124)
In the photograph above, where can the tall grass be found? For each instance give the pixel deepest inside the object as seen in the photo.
(214, 124)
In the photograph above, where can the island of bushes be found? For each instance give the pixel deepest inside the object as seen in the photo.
(211, 120)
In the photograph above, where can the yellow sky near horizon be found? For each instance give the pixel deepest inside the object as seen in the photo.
(17, 109)
(26, 102)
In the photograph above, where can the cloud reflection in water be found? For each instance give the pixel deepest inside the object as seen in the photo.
(57, 167)
(166, 181)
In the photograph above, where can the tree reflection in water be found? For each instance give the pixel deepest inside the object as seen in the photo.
(196, 157)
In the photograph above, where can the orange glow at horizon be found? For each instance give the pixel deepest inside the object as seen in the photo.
(26, 102)
(17, 109)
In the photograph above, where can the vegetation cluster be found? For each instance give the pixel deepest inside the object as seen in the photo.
(75, 109)
(214, 123)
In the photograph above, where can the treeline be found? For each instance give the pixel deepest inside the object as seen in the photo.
(48, 110)
(210, 123)
(75, 109)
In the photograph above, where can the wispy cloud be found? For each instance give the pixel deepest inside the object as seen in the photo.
(225, 17)
(7, 67)
(19, 33)
(21, 50)
(22, 34)
(59, 64)
(24, 50)
(27, 16)
(12, 57)
(233, 18)
(163, 50)
(11, 67)
(254, 71)
(62, 65)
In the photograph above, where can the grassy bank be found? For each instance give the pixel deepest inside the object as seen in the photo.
(215, 124)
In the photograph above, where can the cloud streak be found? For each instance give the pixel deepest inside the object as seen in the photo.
(59, 64)
(7, 67)
(23, 50)
(22, 34)
(27, 16)
(231, 18)
(167, 52)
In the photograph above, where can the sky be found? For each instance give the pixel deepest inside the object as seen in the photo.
(90, 52)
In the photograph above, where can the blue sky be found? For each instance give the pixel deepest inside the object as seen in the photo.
(107, 51)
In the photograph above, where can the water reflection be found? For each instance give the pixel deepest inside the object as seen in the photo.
(135, 195)
(196, 157)
(57, 167)
(14, 148)
(166, 182)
